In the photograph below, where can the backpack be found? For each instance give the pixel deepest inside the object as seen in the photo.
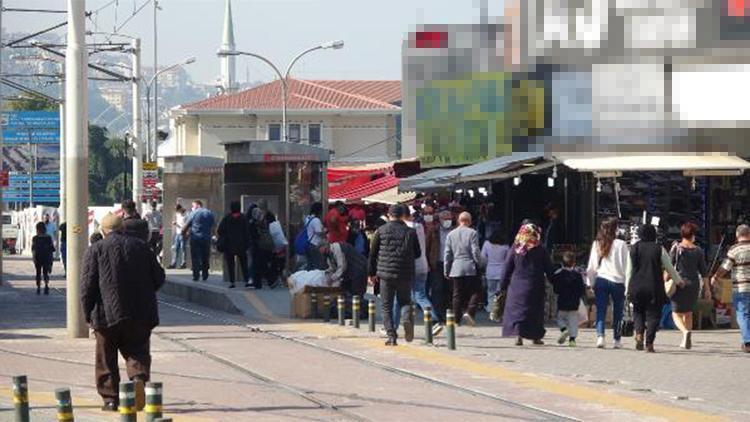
(302, 241)
(265, 240)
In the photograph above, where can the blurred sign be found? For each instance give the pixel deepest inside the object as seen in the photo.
(150, 181)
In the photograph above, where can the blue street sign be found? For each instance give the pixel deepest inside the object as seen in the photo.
(36, 127)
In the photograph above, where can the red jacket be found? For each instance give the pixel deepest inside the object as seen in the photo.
(337, 226)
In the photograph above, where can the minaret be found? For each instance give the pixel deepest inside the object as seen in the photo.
(228, 66)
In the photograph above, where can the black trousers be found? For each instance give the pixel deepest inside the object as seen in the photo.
(389, 289)
(42, 271)
(262, 268)
(132, 340)
(467, 293)
(229, 258)
(646, 319)
(200, 254)
(439, 289)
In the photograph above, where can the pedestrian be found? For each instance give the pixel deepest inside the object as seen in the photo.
(233, 240)
(347, 268)
(392, 253)
(280, 246)
(63, 242)
(645, 285)
(198, 227)
(554, 231)
(440, 286)
(569, 286)
(42, 250)
(431, 252)
(314, 228)
(737, 263)
(494, 252)
(608, 262)
(178, 240)
(463, 263)
(357, 236)
(155, 225)
(133, 224)
(262, 249)
(119, 281)
(419, 285)
(689, 260)
(336, 223)
(523, 280)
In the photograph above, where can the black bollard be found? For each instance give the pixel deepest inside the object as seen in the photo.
(154, 401)
(163, 420)
(327, 307)
(127, 402)
(314, 304)
(355, 310)
(371, 315)
(64, 405)
(450, 329)
(21, 398)
(427, 325)
(341, 310)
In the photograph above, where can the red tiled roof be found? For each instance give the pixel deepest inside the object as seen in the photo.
(356, 190)
(304, 94)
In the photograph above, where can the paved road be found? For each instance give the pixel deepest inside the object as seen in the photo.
(215, 367)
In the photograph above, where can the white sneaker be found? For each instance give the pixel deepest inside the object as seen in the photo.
(563, 336)
(683, 344)
(468, 320)
(600, 342)
(617, 345)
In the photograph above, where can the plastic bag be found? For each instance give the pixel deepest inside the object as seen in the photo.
(300, 279)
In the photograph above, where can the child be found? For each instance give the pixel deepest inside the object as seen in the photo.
(42, 251)
(569, 287)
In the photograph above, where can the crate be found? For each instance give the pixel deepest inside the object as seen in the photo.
(301, 303)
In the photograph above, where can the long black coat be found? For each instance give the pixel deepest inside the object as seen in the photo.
(646, 285)
(135, 226)
(42, 250)
(234, 234)
(119, 282)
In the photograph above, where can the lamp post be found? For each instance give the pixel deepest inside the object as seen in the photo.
(284, 78)
(151, 149)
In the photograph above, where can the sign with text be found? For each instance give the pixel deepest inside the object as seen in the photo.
(150, 181)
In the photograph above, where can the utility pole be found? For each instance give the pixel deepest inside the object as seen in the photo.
(2, 204)
(63, 175)
(76, 162)
(152, 144)
(136, 138)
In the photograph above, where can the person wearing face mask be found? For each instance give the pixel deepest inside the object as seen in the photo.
(431, 226)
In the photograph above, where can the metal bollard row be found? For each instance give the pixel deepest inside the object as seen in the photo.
(154, 401)
(127, 402)
(371, 315)
(355, 310)
(450, 329)
(341, 310)
(427, 325)
(64, 405)
(21, 398)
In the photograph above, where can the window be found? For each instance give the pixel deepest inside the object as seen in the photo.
(313, 134)
(274, 132)
(294, 132)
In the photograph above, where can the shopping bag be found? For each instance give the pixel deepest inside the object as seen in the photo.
(627, 326)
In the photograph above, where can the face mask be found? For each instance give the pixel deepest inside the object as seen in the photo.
(446, 224)
(428, 218)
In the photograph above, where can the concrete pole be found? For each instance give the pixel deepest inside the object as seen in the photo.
(63, 202)
(137, 122)
(76, 162)
(2, 204)
(152, 140)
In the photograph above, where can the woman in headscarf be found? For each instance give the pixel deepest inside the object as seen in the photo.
(523, 278)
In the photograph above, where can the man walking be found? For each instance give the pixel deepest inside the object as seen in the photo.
(463, 259)
(154, 219)
(198, 226)
(120, 278)
(133, 225)
(394, 248)
(738, 263)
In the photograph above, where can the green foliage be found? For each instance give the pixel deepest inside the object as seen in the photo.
(109, 162)
(30, 103)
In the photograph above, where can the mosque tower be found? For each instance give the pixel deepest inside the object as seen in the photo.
(228, 65)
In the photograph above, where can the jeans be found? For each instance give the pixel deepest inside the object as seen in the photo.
(646, 319)
(603, 290)
(64, 254)
(200, 254)
(178, 250)
(568, 321)
(439, 291)
(418, 296)
(741, 303)
(391, 290)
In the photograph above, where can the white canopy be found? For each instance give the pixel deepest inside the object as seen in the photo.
(657, 163)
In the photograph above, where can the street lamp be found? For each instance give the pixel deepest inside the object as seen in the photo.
(284, 78)
(151, 149)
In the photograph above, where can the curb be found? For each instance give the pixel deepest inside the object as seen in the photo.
(203, 294)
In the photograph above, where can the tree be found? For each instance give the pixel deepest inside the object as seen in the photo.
(108, 166)
(26, 102)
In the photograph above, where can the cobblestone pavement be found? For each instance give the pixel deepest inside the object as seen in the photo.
(217, 366)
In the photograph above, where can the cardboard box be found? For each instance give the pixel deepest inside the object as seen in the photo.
(301, 305)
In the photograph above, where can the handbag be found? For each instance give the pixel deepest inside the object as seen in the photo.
(498, 306)
(627, 326)
(670, 287)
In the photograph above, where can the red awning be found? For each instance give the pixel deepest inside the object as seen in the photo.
(355, 190)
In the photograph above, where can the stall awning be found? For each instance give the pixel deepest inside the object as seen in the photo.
(390, 197)
(694, 162)
(356, 191)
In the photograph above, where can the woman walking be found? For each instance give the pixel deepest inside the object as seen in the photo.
(494, 252)
(606, 273)
(523, 277)
(645, 288)
(689, 261)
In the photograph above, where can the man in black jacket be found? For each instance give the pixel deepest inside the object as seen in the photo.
(119, 282)
(133, 224)
(394, 248)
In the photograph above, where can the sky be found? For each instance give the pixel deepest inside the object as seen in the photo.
(277, 29)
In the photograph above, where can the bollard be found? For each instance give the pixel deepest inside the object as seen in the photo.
(127, 402)
(450, 329)
(355, 310)
(371, 315)
(427, 324)
(341, 310)
(64, 405)
(21, 398)
(163, 420)
(327, 306)
(153, 401)
(314, 304)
